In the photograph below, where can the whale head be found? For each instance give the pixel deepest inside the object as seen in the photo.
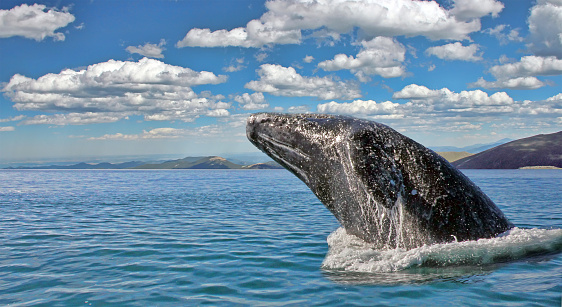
(381, 186)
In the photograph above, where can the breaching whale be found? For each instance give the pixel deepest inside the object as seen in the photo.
(381, 186)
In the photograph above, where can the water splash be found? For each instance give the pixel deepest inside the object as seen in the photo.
(351, 254)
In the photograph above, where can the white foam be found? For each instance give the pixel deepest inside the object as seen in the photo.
(349, 253)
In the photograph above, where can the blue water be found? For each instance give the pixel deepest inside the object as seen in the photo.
(230, 237)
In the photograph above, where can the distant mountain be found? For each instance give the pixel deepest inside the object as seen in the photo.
(476, 148)
(268, 165)
(452, 156)
(211, 162)
(83, 165)
(538, 150)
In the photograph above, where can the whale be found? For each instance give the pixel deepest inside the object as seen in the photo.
(380, 185)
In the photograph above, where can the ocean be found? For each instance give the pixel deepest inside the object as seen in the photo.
(255, 238)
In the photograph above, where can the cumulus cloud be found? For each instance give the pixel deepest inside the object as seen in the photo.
(380, 56)
(443, 110)
(149, 50)
(545, 28)
(529, 66)
(520, 83)
(255, 101)
(12, 119)
(362, 107)
(423, 101)
(256, 34)
(285, 20)
(161, 133)
(521, 75)
(471, 9)
(34, 22)
(308, 59)
(557, 97)
(285, 81)
(7, 128)
(115, 89)
(455, 51)
(448, 103)
(504, 36)
(73, 119)
(421, 94)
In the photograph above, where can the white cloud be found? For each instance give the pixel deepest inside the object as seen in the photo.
(256, 34)
(162, 133)
(366, 107)
(34, 22)
(12, 119)
(298, 109)
(470, 9)
(255, 101)
(285, 19)
(308, 59)
(557, 97)
(148, 87)
(455, 51)
(504, 38)
(261, 56)
(529, 66)
(380, 56)
(218, 113)
(521, 75)
(236, 65)
(446, 111)
(445, 100)
(520, 83)
(414, 91)
(149, 50)
(285, 81)
(424, 102)
(73, 119)
(545, 28)
(7, 128)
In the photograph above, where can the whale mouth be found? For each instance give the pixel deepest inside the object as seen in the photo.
(284, 154)
(283, 146)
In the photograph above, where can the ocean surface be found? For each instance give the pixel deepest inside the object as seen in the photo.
(255, 237)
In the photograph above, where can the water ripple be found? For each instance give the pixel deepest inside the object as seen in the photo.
(138, 238)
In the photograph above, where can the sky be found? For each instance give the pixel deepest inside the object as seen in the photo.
(99, 78)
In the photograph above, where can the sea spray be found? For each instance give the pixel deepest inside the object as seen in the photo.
(349, 253)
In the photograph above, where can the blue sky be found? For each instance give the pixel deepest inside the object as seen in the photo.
(108, 78)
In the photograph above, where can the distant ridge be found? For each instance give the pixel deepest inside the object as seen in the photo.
(473, 149)
(211, 162)
(452, 156)
(83, 165)
(268, 165)
(538, 150)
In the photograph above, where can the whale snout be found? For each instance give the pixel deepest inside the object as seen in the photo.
(253, 123)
